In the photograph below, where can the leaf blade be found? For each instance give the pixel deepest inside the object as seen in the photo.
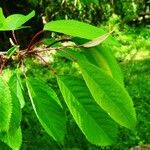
(16, 114)
(13, 140)
(109, 94)
(96, 41)
(74, 28)
(5, 106)
(102, 57)
(47, 109)
(12, 50)
(2, 17)
(96, 125)
(15, 21)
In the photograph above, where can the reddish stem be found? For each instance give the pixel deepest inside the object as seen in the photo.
(49, 66)
(2, 66)
(35, 36)
(71, 56)
(61, 40)
(60, 49)
(35, 44)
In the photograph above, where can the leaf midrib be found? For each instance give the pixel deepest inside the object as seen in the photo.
(126, 118)
(89, 114)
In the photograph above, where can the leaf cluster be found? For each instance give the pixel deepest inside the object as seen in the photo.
(97, 100)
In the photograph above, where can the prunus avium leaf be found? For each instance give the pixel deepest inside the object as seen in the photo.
(47, 108)
(102, 57)
(5, 106)
(78, 29)
(74, 28)
(96, 41)
(93, 121)
(12, 51)
(13, 140)
(15, 21)
(2, 17)
(15, 85)
(109, 94)
(13, 137)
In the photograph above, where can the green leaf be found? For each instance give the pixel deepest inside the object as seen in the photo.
(96, 125)
(78, 29)
(74, 28)
(15, 21)
(12, 50)
(5, 106)
(13, 140)
(13, 136)
(16, 86)
(47, 108)
(96, 41)
(109, 94)
(2, 17)
(16, 113)
(102, 57)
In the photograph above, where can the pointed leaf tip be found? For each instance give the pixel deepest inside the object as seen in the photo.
(110, 95)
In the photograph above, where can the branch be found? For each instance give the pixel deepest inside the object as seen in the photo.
(36, 35)
(55, 48)
(49, 66)
(38, 50)
(2, 63)
(61, 40)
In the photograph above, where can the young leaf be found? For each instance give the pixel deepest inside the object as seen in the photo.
(96, 41)
(96, 125)
(48, 110)
(16, 86)
(15, 21)
(13, 140)
(109, 94)
(2, 17)
(12, 50)
(74, 28)
(5, 106)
